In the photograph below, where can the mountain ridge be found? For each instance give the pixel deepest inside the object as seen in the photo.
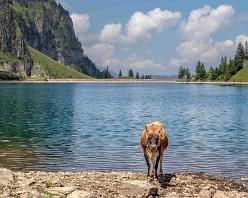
(46, 26)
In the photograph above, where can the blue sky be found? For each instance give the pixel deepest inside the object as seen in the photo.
(157, 36)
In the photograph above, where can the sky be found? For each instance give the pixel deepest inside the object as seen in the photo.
(157, 36)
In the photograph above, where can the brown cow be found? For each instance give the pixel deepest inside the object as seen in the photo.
(154, 141)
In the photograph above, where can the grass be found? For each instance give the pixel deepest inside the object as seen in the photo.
(4, 75)
(22, 11)
(48, 68)
(49, 184)
(8, 58)
(242, 75)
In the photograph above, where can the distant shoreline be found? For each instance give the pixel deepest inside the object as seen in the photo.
(103, 81)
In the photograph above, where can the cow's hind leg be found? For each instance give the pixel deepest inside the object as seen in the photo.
(161, 163)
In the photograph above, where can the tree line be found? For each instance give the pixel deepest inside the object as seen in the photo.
(130, 74)
(223, 72)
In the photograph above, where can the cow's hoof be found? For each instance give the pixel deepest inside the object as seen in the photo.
(153, 176)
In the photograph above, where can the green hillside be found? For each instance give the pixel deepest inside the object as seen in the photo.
(47, 68)
(242, 75)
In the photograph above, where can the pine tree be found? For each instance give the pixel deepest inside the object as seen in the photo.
(130, 73)
(232, 67)
(246, 50)
(180, 72)
(203, 72)
(187, 74)
(137, 75)
(210, 74)
(239, 57)
(120, 74)
(106, 73)
(200, 71)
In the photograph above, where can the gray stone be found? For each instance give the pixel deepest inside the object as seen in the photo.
(207, 192)
(244, 179)
(79, 194)
(241, 195)
(6, 177)
(60, 190)
(172, 195)
(220, 194)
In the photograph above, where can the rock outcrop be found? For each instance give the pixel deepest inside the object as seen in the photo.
(116, 184)
(14, 54)
(45, 26)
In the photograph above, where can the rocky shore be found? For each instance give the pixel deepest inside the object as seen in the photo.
(115, 184)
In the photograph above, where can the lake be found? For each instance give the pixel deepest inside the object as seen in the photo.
(90, 126)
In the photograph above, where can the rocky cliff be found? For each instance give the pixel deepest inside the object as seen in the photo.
(14, 54)
(45, 26)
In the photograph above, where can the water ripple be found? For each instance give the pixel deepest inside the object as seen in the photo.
(77, 127)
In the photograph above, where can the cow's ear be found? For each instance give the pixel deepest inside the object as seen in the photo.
(159, 131)
(146, 129)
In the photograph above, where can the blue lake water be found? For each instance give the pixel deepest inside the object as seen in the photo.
(81, 127)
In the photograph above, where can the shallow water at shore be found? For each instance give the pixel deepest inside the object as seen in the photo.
(75, 127)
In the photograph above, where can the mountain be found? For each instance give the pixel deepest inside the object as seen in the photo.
(241, 75)
(45, 26)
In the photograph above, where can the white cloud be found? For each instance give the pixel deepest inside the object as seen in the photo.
(141, 26)
(111, 33)
(241, 38)
(204, 21)
(196, 33)
(104, 54)
(206, 50)
(140, 64)
(101, 53)
(81, 22)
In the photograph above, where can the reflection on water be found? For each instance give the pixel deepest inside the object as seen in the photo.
(97, 126)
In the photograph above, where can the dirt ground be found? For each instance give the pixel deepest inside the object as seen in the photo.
(115, 184)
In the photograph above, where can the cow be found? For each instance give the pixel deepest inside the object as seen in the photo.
(154, 141)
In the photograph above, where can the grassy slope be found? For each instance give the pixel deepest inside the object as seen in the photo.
(46, 67)
(242, 75)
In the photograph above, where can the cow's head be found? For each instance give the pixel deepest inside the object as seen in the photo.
(153, 136)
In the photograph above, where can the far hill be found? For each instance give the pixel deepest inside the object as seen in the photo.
(241, 75)
(47, 68)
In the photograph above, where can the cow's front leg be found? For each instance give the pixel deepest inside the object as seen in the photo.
(148, 164)
(156, 166)
(151, 170)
